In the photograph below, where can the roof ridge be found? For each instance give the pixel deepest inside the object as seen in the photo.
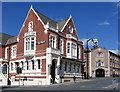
(45, 16)
(6, 34)
(62, 20)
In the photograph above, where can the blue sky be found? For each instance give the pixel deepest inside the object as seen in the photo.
(92, 20)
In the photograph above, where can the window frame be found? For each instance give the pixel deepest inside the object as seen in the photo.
(30, 26)
(52, 41)
(70, 29)
(14, 52)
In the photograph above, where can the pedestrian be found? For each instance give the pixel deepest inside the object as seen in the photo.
(74, 78)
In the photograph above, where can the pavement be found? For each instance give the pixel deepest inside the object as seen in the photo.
(86, 85)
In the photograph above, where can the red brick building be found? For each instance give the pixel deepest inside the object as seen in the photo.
(46, 51)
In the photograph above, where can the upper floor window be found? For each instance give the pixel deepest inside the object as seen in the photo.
(30, 27)
(29, 43)
(79, 52)
(68, 47)
(11, 66)
(52, 41)
(70, 29)
(74, 52)
(84, 55)
(14, 50)
(100, 54)
(61, 46)
(6, 53)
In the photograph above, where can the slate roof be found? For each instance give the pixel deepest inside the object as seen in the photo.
(52, 23)
(4, 38)
(61, 24)
(11, 40)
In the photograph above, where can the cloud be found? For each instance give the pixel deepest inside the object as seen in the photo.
(115, 13)
(115, 51)
(103, 23)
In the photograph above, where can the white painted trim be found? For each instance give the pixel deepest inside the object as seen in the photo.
(31, 8)
(12, 52)
(65, 24)
(6, 54)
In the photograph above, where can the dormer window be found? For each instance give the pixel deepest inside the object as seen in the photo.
(70, 29)
(30, 26)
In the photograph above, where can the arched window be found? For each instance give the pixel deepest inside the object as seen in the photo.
(30, 26)
(5, 69)
(70, 29)
(100, 54)
(100, 63)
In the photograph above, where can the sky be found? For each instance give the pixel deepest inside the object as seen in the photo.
(91, 19)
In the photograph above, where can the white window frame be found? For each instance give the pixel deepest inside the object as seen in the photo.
(70, 29)
(79, 52)
(61, 46)
(14, 53)
(6, 52)
(29, 47)
(74, 49)
(51, 40)
(30, 26)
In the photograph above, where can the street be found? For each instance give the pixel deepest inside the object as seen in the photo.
(91, 84)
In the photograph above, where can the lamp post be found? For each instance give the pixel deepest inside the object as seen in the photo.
(87, 62)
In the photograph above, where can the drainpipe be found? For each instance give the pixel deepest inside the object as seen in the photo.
(8, 81)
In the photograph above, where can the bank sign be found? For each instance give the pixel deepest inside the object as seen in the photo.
(41, 42)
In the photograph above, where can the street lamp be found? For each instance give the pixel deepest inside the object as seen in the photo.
(95, 41)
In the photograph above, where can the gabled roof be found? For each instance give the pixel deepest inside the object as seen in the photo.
(61, 24)
(4, 38)
(45, 19)
(51, 22)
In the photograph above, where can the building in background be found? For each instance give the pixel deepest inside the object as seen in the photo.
(103, 63)
(46, 51)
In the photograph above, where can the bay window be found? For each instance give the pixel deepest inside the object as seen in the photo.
(74, 52)
(29, 43)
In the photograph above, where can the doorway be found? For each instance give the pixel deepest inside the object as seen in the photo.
(53, 71)
(100, 73)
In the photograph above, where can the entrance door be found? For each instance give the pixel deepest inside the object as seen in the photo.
(100, 73)
(53, 71)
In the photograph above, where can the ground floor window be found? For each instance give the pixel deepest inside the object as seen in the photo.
(5, 69)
